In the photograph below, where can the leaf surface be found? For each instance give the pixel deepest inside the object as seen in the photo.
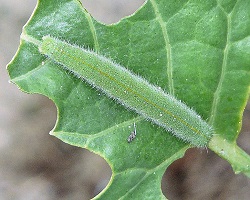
(196, 50)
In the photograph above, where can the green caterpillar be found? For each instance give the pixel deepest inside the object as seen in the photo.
(130, 90)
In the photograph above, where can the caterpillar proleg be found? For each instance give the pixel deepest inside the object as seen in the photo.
(130, 90)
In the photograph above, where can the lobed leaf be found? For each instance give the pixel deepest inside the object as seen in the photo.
(196, 50)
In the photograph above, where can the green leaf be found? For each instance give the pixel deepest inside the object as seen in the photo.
(198, 51)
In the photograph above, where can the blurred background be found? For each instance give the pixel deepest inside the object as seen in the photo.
(35, 165)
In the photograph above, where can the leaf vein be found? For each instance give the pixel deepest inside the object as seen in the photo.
(161, 166)
(93, 31)
(167, 44)
(216, 99)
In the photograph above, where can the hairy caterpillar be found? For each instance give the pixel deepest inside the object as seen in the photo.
(130, 90)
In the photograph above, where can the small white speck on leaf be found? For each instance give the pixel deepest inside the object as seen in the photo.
(132, 135)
